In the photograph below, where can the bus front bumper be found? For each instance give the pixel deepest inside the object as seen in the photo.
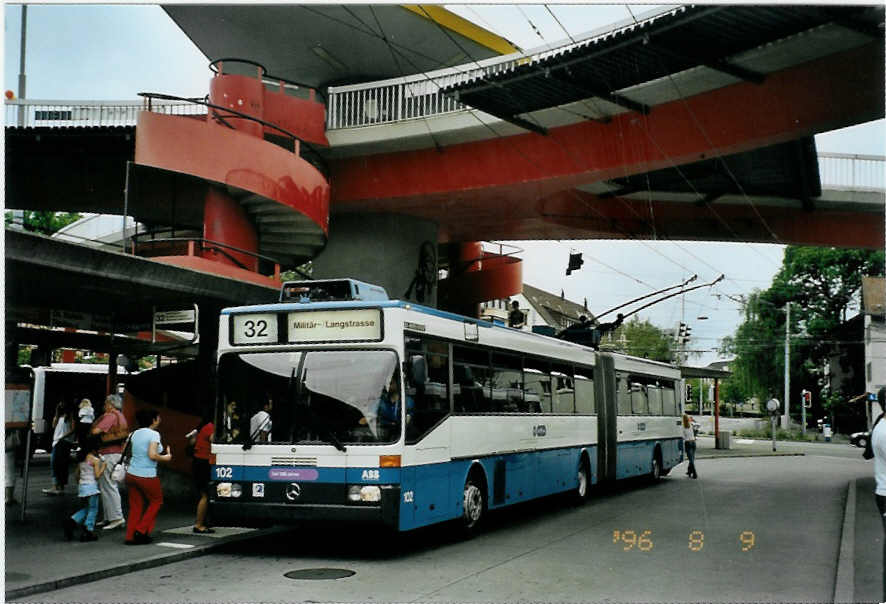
(233, 512)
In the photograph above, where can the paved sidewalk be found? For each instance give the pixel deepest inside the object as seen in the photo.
(38, 559)
(743, 447)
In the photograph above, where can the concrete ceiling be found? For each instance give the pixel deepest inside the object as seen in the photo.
(320, 45)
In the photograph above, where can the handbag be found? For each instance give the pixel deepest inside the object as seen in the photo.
(118, 473)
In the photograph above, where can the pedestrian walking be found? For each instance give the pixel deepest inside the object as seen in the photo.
(145, 491)
(689, 445)
(202, 440)
(113, 429)
(85, 418)
(62, 441)
(878, 444)
(89, 467)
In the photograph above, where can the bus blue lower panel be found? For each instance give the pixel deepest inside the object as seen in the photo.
(635, 457)
(411, 497)
(434, 492)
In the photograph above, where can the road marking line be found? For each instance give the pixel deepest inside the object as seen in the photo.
(175, 545)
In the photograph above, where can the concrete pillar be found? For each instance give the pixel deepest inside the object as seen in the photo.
(394, 251)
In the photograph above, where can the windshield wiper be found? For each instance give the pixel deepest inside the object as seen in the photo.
(336, 442)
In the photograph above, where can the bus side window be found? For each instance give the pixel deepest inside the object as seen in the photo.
(507, 382)
(563, 389)
(639, 402)
(430, 401)
(669, 399)
(537, 380)
(623, 395)
(655, 399)
(584, 395)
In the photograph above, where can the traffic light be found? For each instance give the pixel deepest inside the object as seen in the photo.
(688, 392)
(807, 399)
(683, 333)
(575, 263)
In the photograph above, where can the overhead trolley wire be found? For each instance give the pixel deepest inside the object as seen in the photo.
(395, 48)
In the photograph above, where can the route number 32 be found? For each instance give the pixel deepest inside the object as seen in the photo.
(255, 329)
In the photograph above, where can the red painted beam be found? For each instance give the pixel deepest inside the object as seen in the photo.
(835, 91)
(622, 219)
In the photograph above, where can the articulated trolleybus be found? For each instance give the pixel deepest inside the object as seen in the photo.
(338, 403)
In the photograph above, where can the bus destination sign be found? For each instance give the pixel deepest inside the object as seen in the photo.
(335, 326)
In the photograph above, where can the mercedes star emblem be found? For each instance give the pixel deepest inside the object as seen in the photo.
(293, 491)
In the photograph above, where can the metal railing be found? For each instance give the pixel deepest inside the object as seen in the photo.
(420, 96)
(29, 113)
(852, 171)
(401, 99)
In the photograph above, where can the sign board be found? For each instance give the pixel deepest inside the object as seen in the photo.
(363, 325)
(181, 318)
(18, 405)
(167, 317)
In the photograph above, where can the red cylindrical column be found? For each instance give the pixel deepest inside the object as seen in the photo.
(240, 93)
(470, 257)
(225, 221)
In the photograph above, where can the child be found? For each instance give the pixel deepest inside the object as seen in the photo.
(90, 466)
(85, 417)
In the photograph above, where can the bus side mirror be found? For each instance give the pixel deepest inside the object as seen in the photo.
(418, 369)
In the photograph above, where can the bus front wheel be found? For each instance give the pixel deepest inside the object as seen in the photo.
(474, 506)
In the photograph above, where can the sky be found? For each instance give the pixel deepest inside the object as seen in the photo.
(100, 52)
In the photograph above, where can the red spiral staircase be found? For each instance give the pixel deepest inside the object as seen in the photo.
(260, 200)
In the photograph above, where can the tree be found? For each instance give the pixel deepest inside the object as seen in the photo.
(44, 222)
(641, 339)
(821, 285)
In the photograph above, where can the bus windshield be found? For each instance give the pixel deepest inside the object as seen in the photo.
(313, 397)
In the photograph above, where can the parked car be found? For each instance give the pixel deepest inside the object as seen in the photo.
(859, 439)
(695, 427)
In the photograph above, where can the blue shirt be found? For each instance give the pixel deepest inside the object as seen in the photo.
(141, 465)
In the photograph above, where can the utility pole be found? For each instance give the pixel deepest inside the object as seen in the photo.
(787, 365)
(21, 65)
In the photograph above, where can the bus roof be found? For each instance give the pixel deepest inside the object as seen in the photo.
(77, 368)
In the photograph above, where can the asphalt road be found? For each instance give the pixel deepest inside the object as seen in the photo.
(764, 529)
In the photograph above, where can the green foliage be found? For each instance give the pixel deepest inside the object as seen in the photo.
(641, 339)
(44, 222)
(299, 273)
(24, 355)
(821, 285)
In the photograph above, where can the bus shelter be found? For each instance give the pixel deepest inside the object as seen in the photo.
(688, 372)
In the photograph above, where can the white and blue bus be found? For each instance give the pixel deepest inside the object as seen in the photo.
(391, 412)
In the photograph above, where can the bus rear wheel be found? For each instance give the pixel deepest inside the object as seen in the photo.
(656, 473)
(474, 506)
(583, 489)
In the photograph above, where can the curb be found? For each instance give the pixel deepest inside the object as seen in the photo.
(775, 454)
(128, 567)
(844, 585)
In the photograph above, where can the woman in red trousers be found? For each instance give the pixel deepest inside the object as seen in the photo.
(145, 492)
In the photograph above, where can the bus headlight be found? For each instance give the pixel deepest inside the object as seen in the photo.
(364, 494)
(236, 490)
(223, 489)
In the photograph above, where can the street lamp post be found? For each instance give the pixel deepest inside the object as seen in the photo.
(787, 365)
